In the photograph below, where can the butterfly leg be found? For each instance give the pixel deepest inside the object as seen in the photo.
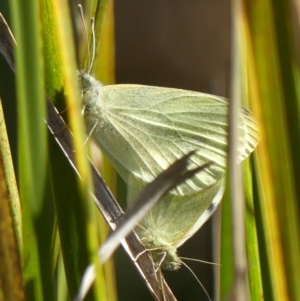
(91, 132)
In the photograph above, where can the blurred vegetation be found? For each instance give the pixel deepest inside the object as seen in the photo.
(182, 44)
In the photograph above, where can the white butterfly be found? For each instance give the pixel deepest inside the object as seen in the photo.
(144, 129)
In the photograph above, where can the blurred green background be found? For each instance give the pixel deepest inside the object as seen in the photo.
(180, 44)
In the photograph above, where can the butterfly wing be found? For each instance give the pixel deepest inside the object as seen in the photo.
(144, 129)
(176, 218)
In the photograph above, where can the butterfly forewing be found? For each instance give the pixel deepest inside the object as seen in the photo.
(144, 129)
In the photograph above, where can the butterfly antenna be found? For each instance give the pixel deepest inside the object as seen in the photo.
(92, 57)
(85, 32)
(91, 50)
(205, 291)
(202, 261)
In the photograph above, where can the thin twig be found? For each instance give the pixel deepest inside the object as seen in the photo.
(235, 169)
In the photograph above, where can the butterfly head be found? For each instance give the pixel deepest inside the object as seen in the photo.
(166, 258)
(163, 254)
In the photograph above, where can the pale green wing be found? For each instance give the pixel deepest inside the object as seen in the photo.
(176, 218)
(144, 129)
